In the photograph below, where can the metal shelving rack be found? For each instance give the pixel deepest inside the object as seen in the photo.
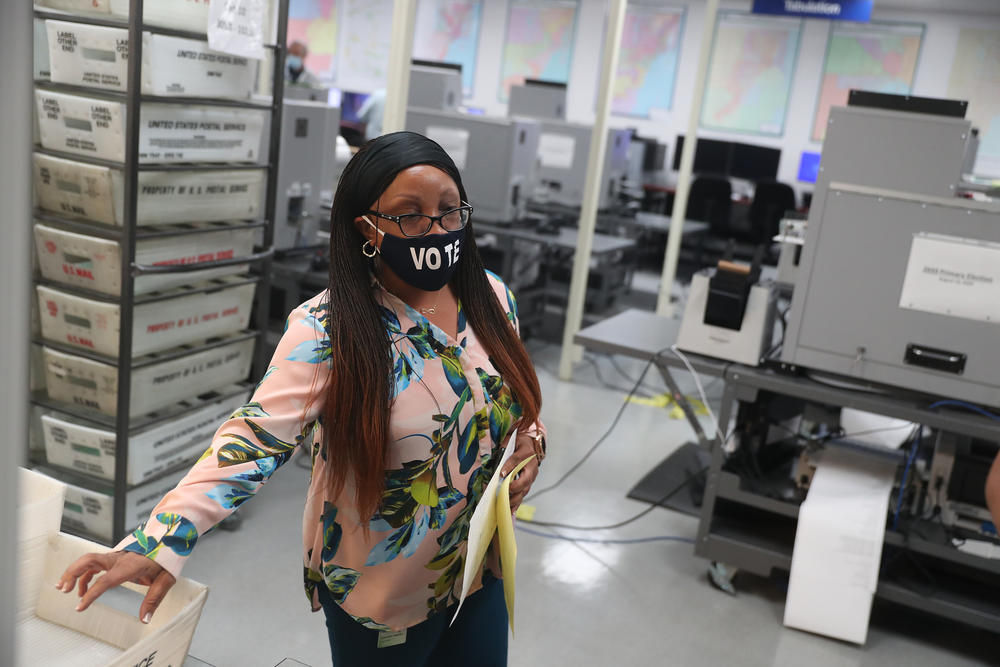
(129, 233)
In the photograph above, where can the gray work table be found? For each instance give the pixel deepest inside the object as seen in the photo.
(607, 252)
(642, 335)
(747, 530)
(566, 238)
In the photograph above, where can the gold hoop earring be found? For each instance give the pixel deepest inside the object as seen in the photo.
(364, 249)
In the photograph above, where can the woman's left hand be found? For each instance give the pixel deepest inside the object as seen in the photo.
(519, 487)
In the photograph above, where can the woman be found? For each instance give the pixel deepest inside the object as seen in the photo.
(407, 376)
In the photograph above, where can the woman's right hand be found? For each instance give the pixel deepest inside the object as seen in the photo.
(120, 566)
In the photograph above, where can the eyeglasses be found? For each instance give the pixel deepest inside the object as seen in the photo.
(418, 224)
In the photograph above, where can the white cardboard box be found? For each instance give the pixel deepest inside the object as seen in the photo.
(50, 632)
(95, 263)
(84, 382)
(156, 326)
(39, 513)
(71, 444)
(39, 505)
(81, 190)
(97, 56)
(170, 133)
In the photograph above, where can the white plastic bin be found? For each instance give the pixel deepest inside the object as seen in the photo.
(170, 133)
(94, 263)
(156, 326)
(96, 193)
(50, 632)
(84, 382)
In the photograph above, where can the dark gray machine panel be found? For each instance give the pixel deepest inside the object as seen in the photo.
(894, 150)
(849, 317)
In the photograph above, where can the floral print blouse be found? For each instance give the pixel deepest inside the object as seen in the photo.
(450, 414)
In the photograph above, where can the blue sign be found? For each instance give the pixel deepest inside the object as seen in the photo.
(840, 10)
(809, 167)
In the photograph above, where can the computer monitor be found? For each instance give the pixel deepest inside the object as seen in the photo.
(755, 163)
(351, 104)
(654, 156)
(711, 156)
(808, 167)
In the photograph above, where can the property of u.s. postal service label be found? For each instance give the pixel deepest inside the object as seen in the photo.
(953, 276)
(387, 639)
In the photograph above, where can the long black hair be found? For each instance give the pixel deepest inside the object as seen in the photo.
(358, 398)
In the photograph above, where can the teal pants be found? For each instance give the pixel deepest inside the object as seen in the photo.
(478, 637)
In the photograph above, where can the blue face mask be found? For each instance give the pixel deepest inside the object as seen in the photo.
(426, 262)
(294, 63)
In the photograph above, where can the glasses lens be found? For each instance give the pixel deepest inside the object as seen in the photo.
(455, 220)
(414, 225)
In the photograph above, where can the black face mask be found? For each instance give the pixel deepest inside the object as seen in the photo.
(426, 262)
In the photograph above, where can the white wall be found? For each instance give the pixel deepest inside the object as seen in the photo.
(933, 68)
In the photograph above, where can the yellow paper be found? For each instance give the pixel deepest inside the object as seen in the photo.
(525, 512)
(508, 545)
(483, 525)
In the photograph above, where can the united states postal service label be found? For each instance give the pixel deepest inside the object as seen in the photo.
(953, 276)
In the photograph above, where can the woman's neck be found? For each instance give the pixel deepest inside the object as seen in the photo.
(418, 299)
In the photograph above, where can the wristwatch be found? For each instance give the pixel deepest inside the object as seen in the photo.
(538, 443)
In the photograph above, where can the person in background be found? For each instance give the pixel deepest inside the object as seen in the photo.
(408, 378)
(295, 65)
(371, 113)
(993, 491)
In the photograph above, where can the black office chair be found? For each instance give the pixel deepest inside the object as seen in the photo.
(771, 199)
(710, 200)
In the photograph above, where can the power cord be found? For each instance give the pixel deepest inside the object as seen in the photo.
(964, 405)
(614, 423)
(906, 474)
(591, 540)
(652, 506)
(701, 390)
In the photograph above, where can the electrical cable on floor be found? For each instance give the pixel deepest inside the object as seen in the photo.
(614, 423)
(652, 506)
(621, 371)
(609, 385)
(591, 540)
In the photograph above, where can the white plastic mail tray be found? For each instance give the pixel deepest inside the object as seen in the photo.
(159, 325)
(94, 263)
(97, 57)
(97, 193)
(95, 127)
(92, 384)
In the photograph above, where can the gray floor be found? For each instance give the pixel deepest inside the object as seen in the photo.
(578, 603)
